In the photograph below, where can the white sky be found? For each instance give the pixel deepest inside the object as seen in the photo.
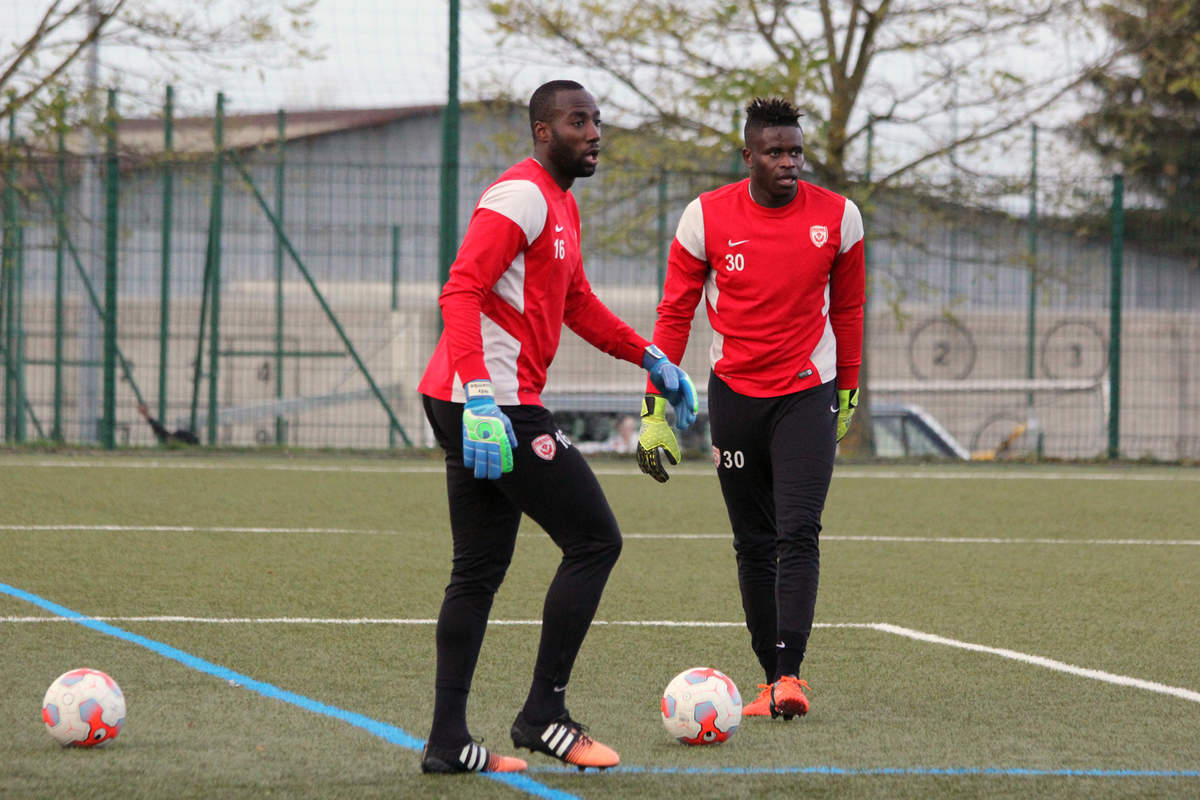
(377, 53)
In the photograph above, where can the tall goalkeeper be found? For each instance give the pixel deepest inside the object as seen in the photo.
(780, 265)
(517, 279)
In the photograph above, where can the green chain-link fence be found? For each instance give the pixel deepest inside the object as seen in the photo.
(287, 296)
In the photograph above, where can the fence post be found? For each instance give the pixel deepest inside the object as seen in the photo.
(662, 228)
(1117, 256)
(395, 303)
(19, 329)
(7, 246)
(281, 137)
(168, 213)
(108, 423)
(215, 222)
(1031, 319)
(60, 224)
(448, 215)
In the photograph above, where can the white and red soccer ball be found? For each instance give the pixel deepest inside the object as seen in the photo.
(701, 706)
(83, 708)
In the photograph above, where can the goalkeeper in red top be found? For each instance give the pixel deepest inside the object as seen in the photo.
(517, 278)
(779, 263)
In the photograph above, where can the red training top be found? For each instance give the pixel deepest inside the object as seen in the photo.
(517, 279)
(785, 288)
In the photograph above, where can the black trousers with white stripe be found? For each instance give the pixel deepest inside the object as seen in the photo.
(774, 459)
(552, 483)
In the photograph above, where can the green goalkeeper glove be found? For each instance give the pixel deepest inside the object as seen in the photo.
(847, 402)
(656, 440)
(488, 437)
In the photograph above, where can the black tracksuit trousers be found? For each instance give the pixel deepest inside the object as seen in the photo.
(553, 484)
(774, 458)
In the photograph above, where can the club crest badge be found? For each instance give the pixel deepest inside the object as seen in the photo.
(544, 447)
(819, 235)
(716, 457)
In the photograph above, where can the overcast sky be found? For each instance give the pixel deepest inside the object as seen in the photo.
(376, 53)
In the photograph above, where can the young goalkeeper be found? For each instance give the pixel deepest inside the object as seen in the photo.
(517, 279)
(780, 265)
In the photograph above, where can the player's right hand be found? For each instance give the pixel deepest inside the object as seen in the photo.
(674, 384)
(657, 440)
(488, 437)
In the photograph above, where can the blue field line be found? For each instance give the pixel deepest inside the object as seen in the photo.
(915, 771)
(383, 730)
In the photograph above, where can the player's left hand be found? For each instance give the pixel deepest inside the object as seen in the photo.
(674, 384)
(847, 403)
(656, 441)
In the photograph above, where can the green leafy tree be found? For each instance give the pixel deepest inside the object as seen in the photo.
(933, 77)
(927, 80)
(1147, 118)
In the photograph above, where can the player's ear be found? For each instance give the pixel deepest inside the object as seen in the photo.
(541, 131)
(746, 156)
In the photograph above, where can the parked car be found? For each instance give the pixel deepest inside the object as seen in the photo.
(901, 430)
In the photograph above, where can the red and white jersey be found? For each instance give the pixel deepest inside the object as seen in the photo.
(517, 279)
(785, 288)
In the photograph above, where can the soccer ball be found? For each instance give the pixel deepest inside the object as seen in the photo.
(83, 708)
(701, 706)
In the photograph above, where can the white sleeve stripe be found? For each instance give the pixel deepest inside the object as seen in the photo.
(690, 231)
(852, 226)
(520, 201)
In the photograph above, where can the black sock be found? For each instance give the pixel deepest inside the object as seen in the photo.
(545, 702)
(449, 728)
(789, 652)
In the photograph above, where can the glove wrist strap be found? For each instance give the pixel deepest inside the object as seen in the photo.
(651, 356)
(654, 405)
(479, 388)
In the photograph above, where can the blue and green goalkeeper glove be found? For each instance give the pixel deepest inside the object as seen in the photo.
(657, 440)
(674, 384)
(847, 402)
(488, 437)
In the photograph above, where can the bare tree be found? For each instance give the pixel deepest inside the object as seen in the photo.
(155, 41)
(931, 76)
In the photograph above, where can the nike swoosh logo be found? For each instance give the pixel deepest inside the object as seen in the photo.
(732, 243)
(557, 228)
(835, 408)
(560, 688)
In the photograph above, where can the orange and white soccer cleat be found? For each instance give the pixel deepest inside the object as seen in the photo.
(473, 757)
(566, 740)
(761, 705)
(783, 698)
(787, 697)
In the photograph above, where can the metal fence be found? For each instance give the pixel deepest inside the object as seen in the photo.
(260, 300)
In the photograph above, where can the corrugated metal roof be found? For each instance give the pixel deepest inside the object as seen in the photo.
(194, 135)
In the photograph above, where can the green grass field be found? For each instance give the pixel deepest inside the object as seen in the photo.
(982, 631)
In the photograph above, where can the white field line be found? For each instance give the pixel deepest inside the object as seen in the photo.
(631, 536)
(1026, 658)
(1041, 661)
(695, 470)
(931, 539)
(191, 529)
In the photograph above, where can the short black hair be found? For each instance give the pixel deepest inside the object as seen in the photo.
(541, 102)
(770, 113)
